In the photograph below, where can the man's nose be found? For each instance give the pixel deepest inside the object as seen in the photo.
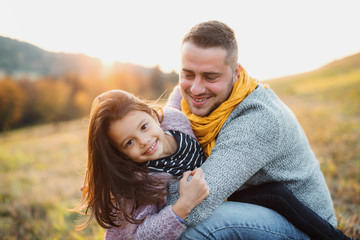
(197, 87)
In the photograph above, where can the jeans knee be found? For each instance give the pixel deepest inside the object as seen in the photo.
(240, 233)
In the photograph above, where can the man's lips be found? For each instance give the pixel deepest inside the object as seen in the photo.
(199, 101)
(153, 148)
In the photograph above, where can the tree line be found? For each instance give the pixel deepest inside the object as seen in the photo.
(25, 102)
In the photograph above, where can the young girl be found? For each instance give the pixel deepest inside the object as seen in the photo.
(126, 145)
(121, 193)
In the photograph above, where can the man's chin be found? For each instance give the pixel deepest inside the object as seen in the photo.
(204, 112)
(200, 112)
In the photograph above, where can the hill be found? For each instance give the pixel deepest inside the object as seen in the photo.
(19, 58)
(340, 73)
(335, 83)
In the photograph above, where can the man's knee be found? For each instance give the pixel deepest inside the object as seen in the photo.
(234, 220)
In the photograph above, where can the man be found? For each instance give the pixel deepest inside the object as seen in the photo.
(250, 138)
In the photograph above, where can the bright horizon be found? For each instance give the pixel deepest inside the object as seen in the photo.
(276, 38)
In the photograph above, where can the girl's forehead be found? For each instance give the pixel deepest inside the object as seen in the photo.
(133, 118)
(138, 113)
(128, 125)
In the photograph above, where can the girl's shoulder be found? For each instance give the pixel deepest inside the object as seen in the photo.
(175, 98)
(176, 120)
(173, 112)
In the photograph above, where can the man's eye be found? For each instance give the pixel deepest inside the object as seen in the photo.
(128, 143)
(210, 77)
(188, 76)
(143, 127)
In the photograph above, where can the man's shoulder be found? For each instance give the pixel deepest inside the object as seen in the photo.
(256, 114)
(258, 102)
(262, 113)
(262, 103)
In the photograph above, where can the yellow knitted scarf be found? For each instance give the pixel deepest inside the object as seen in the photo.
(207, 128)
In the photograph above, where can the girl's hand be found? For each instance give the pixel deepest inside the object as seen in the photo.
(192, 192)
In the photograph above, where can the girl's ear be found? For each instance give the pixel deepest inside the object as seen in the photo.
(155, 116)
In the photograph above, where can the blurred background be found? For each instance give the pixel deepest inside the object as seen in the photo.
(56, 56)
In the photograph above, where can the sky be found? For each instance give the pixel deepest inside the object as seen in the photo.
(276, 38)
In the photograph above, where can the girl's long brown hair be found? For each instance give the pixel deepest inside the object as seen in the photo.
(114, 184)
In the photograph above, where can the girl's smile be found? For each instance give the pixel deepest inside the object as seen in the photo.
(153, 148)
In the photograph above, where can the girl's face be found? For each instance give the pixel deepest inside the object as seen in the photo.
(139, 136)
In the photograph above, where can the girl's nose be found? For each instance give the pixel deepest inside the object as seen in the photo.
(144, 140)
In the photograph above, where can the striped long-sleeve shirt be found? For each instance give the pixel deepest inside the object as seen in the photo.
(188, 156)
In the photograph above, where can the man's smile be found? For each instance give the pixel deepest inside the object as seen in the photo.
(199, 101)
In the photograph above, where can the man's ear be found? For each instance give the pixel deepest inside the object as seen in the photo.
(236, 72)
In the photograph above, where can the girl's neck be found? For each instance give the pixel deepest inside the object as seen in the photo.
(170, 144)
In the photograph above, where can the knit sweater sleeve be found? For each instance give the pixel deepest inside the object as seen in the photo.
(245, 144)
(157, 225)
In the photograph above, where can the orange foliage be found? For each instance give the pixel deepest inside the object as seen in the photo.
(11, 103)
(25, 102)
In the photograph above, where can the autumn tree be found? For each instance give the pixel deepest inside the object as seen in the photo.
(51, 99)
(11, 103)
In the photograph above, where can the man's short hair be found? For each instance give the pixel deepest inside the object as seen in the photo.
(215, 34)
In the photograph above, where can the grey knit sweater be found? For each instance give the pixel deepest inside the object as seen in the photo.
(260, 142)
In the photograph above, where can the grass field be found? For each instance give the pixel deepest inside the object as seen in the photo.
(41, 168)
(327, 104)
(41, 172)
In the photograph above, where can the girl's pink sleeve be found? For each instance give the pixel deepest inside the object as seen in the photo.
(174, 100)
(176, 120)
(161, 224)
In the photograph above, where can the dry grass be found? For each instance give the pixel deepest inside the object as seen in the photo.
(41, 173)
(328, 108)
(41, 167)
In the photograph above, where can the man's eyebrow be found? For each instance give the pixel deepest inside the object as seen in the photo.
(211, 73)
(186, 70)
(203, 73)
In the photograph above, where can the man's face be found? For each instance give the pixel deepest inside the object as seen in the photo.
(205, 80)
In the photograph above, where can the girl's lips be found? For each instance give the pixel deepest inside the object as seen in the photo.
(153, 148)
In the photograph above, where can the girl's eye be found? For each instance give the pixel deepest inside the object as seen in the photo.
(143, 127)
(128, 143)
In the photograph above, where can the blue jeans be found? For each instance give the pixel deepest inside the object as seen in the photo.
(237, 220)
